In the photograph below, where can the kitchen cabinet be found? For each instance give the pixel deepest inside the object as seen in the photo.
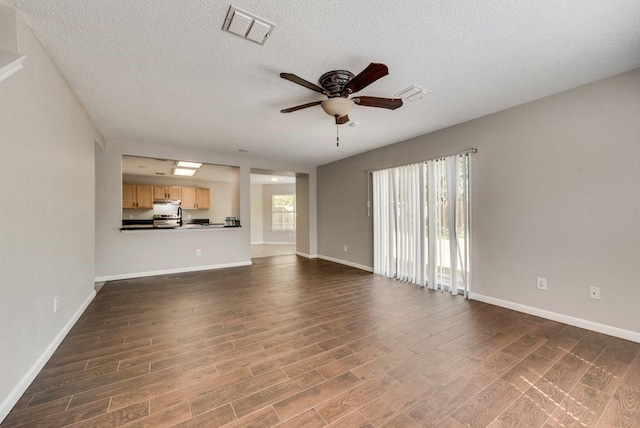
(167, 192)
(195, 198)
(137, 196)
(202, 198)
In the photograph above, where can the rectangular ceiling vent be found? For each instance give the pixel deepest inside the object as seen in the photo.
(413, 93)
(247, 26)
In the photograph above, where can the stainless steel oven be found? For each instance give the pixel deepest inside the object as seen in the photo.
(167, 213)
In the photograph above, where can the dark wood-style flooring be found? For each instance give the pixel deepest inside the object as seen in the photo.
(291, 342)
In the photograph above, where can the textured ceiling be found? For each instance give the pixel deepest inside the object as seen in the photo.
(134, 165)
(163, 71)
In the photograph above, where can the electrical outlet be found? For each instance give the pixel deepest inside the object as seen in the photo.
(130, 216)
(345, 248)
(594, 293)
(188, 216)
(541, 283)
(198, 252)
(56, 304)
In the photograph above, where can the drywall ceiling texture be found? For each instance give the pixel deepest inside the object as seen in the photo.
(554, 195)
(163, 71)
(47, 220)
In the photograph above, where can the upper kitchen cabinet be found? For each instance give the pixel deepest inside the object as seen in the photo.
(167, 192)
(202, 198)
(195, 198)
(205, 191)
(137, 196)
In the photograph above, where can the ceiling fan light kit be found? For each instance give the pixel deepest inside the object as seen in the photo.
(337, 107)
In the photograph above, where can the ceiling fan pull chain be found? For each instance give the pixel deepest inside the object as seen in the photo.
(337, 135)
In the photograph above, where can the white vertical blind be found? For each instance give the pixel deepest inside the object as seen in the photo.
(421, 223)
(384, 225)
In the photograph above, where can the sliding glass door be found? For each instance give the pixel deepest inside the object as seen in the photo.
(422, 223)
(447, 223)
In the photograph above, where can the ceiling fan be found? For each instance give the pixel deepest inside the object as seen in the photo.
(338, 85)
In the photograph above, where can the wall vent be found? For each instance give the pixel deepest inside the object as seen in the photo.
(413, 93)
(247, 26)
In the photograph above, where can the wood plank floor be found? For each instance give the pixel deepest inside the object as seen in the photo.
(291, 342)
(270, 250)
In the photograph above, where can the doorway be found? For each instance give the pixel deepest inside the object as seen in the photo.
(273, 213)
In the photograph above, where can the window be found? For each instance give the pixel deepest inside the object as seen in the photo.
(283, 212)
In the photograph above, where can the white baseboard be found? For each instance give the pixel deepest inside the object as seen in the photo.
(31, 374)
(566, 319)
(169, 271)
(275, 243)
(308, 256)
(347, 263)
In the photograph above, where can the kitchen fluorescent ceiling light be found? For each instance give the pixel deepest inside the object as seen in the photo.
(185, 164)
(184, 172)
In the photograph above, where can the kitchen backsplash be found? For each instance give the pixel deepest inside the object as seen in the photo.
(137, 214)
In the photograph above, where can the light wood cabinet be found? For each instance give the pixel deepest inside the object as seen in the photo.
(202, 198)
(175, 192)
(167, 192)
(128, 196)
(137, 196)
(188, 198)
(141, 197)
(195, 198)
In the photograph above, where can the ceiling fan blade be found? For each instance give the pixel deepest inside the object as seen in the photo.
(366, 77)
(342, 120)
(300, 107)
(300, 81)
(389, 103)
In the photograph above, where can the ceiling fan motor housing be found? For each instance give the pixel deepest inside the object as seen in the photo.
(335, 81)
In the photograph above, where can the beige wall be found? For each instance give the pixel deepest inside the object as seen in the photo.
(235, 193)
(47, 163)
(554, 195)
(256, 213)
(302, 215)
(268, 235)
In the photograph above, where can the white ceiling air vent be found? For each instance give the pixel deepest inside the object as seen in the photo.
(247, 26)
(413, 93)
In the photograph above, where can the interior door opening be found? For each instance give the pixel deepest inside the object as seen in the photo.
(274, 214)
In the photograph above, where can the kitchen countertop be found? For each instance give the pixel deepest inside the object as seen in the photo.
(148, 227)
